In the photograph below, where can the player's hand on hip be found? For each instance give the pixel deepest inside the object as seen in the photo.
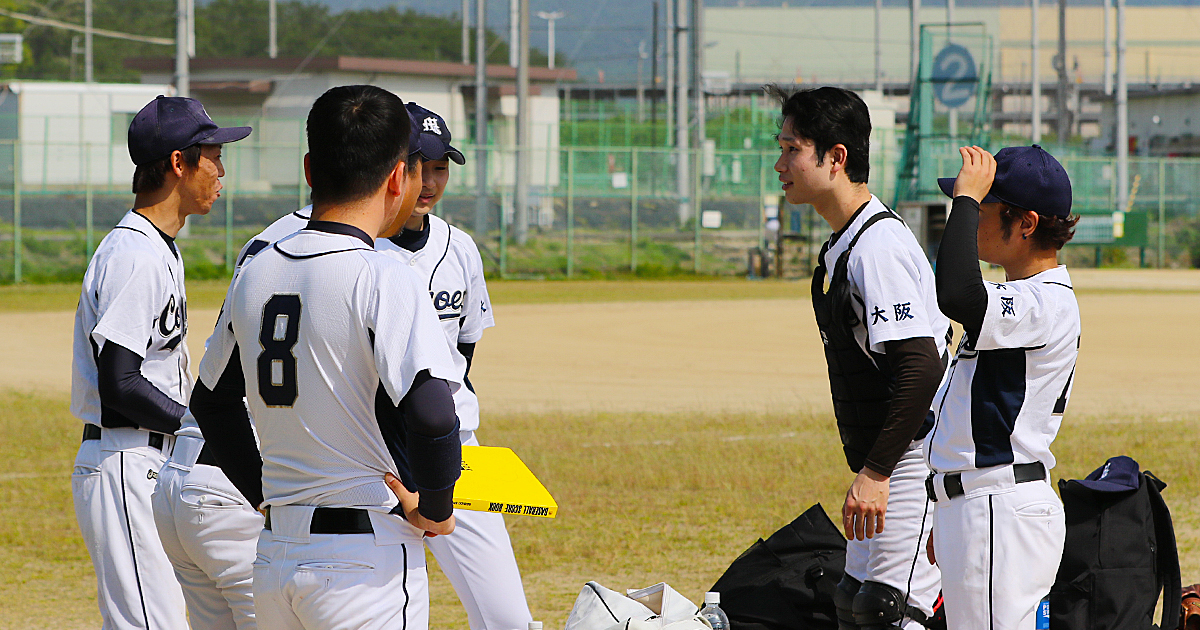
(865, 506)
(977, 173)
(929, 549)
(409, 501)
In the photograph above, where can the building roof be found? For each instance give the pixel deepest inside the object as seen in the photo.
(350, 64)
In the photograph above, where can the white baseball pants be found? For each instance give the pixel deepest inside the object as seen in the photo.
(306, 581)
(998, 546)
(896, 556)
(479, 562)
(210, 533)
(111, 484)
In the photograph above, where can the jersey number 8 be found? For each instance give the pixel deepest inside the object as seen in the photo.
(276, 363)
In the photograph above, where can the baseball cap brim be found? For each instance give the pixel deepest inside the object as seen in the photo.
(432, 148)
(947, 186)
(225, 135)
(1100, 485)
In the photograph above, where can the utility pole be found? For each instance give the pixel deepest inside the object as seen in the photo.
(682, 159)
(1122, 135)
(481, 121)
(914, 11)
(550, 17)
(669, 85)
(641, 87)
(878, 47)
(1064, 115)
(654, 76)
(514, 20)
(466, 31)
(272, 29)
(1108, 60)
(1035, 85)
(88, 57)
(182, 73)
(521, 198)
(953, 118)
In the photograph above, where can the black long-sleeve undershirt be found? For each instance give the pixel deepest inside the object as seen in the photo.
(125, 390)
(228, 434)
(961, 294)
(431, 452)
(917, 367)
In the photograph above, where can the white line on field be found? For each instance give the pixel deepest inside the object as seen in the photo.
(727, 438)
(8, 476)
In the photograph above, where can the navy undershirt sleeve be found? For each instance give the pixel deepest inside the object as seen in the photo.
(468, 352)
(422, 435)
(124, 389)
(228, 434)
(961, 294)
(918, 370)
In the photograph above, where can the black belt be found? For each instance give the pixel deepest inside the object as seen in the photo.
(953, 481)
(335, 521)
(92, 432)
(206, 457)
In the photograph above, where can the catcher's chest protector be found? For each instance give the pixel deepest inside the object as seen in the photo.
(1119, 554)
(861, 383)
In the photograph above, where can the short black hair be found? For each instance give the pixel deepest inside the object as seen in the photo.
(1052, 232)
(356, 136)
(152, 175)
(830, 116)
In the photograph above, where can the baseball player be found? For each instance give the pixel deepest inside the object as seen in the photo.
(312, 328)
(208, 529)
(999, 527)
(478, 557)
(884, 341)
(131, 374)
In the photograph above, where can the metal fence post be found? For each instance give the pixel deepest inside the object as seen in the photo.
(633, 210)
(570, 211)
(504, 236)
(17, 247)
(697, 189)
(301, 183)
(1162, 211)
(89, 207)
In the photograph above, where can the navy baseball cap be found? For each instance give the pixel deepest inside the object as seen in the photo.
(1118, 474)
(172, 123)
(434, 136)
(1028, 178)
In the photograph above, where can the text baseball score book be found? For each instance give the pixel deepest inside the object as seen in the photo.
(494, 479)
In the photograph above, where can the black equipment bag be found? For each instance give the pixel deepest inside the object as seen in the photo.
(786, 582)
(1119, 555)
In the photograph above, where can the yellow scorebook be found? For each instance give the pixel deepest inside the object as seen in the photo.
(494, 479)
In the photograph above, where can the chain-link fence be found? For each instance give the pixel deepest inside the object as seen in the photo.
(594, 212)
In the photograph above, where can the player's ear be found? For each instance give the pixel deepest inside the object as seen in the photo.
(1029, 223)
(396, 179)
(837, 158)
(177, 163)
(307, 171)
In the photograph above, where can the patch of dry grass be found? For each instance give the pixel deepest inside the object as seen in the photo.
(643, 498)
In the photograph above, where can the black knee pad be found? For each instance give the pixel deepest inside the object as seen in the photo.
(878, 606)
(843, 602)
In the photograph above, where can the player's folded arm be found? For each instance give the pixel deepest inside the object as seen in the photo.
(961, 294)
(125, 389)
(225, 423)
(434, 451)
(918, 372)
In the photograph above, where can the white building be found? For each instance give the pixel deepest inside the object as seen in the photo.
(274, 96)
(70, 134)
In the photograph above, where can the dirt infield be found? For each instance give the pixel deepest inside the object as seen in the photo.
(727, 355)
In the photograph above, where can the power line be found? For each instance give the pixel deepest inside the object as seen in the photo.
(33, 19)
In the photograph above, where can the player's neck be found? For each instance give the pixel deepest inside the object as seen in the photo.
(841, 202)
(1026, 266)
(416, 222)
(366, 214)
(162, 208)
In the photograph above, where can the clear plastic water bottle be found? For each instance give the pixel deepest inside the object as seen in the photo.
(535, 625)
(712, 612)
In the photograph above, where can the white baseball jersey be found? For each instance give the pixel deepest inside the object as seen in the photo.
(452, 269)
(322, 319)
(891, 282)
(132, 295)
(286, 225)
(1004, 395)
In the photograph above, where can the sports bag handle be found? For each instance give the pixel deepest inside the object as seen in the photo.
(1168, 553)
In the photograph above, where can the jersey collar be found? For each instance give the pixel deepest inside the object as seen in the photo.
(413, 240)
(138, 222)
(853, 219)
(332, 227)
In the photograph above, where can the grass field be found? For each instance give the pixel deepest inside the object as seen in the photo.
(696, 436)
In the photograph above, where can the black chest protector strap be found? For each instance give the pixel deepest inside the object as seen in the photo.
(861, 382)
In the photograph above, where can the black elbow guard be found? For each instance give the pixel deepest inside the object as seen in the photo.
(435, 462)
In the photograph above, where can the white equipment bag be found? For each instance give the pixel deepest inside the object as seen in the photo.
(657, 607)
